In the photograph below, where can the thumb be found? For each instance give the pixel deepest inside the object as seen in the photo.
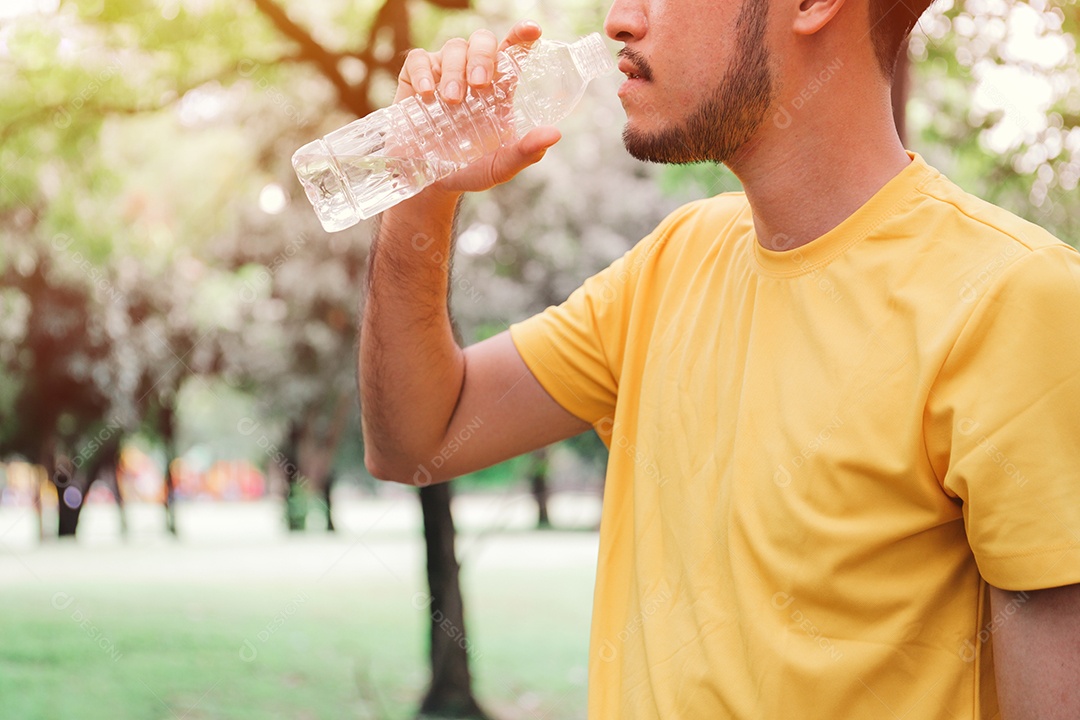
(527, 151)
(539, 139)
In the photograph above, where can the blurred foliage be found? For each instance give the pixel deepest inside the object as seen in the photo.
(158, 252)
(996, 104)
(145, 148)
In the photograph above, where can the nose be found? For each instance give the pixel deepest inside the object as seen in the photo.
(626, 21)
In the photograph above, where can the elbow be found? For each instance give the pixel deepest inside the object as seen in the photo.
(398, 471)
(380, 464)
(390, 462)
(379, 468)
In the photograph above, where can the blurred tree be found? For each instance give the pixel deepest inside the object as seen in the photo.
(996, 104)
(89, 356)
(63, 411)
(141, 131)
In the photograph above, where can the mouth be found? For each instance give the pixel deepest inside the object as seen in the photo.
(634, 65)
(631, 71)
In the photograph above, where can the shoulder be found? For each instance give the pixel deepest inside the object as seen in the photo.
(710, 215)
(975, 220)
(690, 229)
(988, 250)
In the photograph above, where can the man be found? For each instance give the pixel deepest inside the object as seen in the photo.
(842, 408)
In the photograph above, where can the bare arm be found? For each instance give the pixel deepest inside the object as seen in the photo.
(1037, 653)
(430, 410)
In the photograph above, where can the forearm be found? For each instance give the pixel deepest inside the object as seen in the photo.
(412, 372)
(411, 367)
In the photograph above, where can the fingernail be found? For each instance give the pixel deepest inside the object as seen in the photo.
(532, 24)
(478, 76)
(425, 85)
(452, 90)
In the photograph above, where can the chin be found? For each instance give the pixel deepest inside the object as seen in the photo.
(643, 131)
(652, 147)
(666, 147)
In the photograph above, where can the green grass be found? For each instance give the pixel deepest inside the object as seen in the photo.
(351, 647)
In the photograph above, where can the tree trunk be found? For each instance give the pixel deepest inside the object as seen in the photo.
(296, 506)
(69, 491)
(168, 435)
(72, 486)
(538, 479)
(46, 460)
(170, 499)
(69, 500)
(112, 480)
(327, 485)
(36, 485)
(450, 694)
(901, 91)
(317, 445)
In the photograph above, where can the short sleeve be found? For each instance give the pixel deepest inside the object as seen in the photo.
(575, 350)
(1004, 423)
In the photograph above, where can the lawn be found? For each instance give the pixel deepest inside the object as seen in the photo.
(251, 623)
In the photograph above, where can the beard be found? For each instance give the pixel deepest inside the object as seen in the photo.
(729, 116)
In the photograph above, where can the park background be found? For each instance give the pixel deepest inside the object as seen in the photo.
(175, 324)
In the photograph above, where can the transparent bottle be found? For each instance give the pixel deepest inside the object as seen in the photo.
(375, 162)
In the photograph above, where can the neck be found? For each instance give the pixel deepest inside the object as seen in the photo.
(805, 179)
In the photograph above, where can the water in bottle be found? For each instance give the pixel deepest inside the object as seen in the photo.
(392, 154)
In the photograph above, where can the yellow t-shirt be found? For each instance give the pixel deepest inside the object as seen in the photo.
(819, 458)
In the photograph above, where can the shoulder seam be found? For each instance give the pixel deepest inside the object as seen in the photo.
(923, 191)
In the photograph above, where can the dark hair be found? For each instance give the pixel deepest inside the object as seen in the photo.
(891, 21)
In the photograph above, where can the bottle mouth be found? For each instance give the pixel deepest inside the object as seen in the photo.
(591, 57)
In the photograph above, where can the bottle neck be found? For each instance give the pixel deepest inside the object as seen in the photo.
(591, 57)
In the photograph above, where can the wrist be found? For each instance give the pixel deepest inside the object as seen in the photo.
(430, 211)
(433, 200)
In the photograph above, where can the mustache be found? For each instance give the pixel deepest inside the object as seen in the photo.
(639, 62)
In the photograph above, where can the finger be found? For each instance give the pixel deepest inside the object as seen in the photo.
(480, 63)
(452, 83)
(417, 72)
(525, 32)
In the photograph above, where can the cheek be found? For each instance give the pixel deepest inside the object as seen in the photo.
(685, 83)
(690, 56)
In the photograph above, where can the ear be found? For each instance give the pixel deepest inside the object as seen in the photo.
(813, 15)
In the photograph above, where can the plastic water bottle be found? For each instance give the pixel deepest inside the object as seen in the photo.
(392, 154)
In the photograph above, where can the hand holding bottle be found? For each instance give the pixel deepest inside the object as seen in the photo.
(462, 64)
(467, 118)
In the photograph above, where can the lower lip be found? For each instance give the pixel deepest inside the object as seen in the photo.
(630, 85)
